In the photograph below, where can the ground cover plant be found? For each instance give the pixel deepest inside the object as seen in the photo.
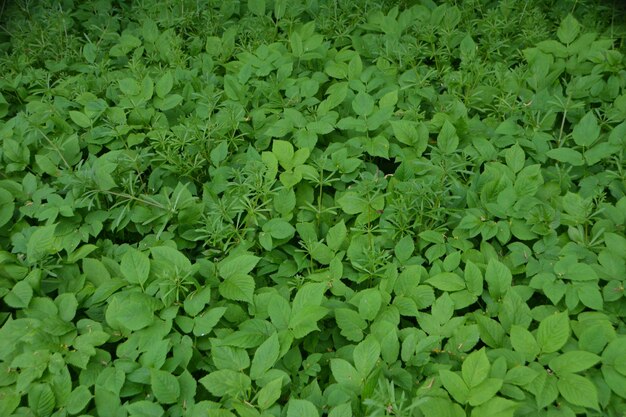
(312, 208)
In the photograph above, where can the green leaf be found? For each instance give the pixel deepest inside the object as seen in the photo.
(270, 393)
(336, 236)
(238, 287)
(524, 342)
(304, 321)
(130, 310)
(145, 408)
(9, 401)
(573, 361)
(227, 382)
(78, 399)
(80, 118)
(279, 229)
(20, 295)
(344, 373)
(363, 104)
(578, 390)
(369, 303)
(204, 323)
(343, 410)
(515, 158)
(447, 281)
(568, 29)
(41, 243)
(352, 203)
(135, 266)
(411, 133)
(165, 386)
(473, 279)
(404, 248)
(164, 85)
(257, 7)
(484, 391)
(366, 355)
(498, 278)
(566, 155)
(475, 368)
(350, 323)
(496, 407)
(41, 399)
(553, 332)
(586, 131)
(265, 357)
(67, 305)
(447, 140)
(301, 408)
(284, 153)
(454, 384)
(194, 303)
(7, 206)
(237, 265)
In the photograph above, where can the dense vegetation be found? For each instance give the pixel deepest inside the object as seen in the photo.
(312, 208)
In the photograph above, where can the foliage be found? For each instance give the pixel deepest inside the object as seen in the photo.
(312, 208)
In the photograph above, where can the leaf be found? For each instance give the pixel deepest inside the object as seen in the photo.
(586, 131)
(475, 368)
(67, 305)
(301, 408)
(80, 119)
(41, 244)
(78, 399)
(363, 104)
(135, 266)
(352, 203)
(304, 321)
(496, 407)
(336, 236)
(226, 382)
(270, 393)
(578, 390)
(204, 323)
(366, 355)
(238, 287)
(237, 265)
(7, 205)
(454, 384)
(447, 281)
(447, 140)
(473, 279)
(279, 229)
(553, 332)
(524, 342)
(265, 357)
(130, 310)
(567, 155)
(344, 373)
(164, 85)
(165, 386)
(573, 361)
(145, 408)
(404, 248)
(568, 29)
(484, 391)
(20, 295)
(194, 303)
(257, 7)
(350, 323)
(369, 303)
(41, 399)
(284, 153)
(498, 278)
